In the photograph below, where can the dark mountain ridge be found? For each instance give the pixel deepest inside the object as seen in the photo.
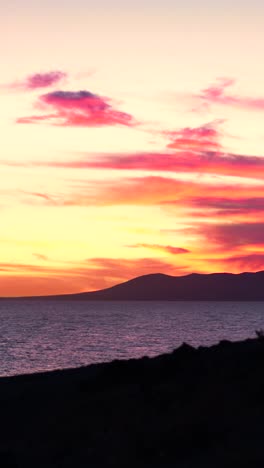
(193, 287)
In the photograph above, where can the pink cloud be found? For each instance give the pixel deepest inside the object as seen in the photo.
(205, 137)
(40, 80)
(77, 108)
(216, 94)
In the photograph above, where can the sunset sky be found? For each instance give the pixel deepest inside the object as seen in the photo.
(132, 141)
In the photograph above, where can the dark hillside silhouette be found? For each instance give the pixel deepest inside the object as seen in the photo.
(193, 408)
(194, 287)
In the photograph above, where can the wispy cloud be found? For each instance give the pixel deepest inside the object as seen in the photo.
(217, 94)
(41, 257)
(42, 197)
(39, 80)
(168, 249)
(77, 109)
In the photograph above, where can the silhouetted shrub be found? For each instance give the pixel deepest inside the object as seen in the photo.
(260, 334)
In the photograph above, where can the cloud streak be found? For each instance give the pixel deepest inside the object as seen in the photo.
(232, 235)
(188, 162)
(77, 109)
(228, 206)
(217, 94)
(168, 249)
(225, 164)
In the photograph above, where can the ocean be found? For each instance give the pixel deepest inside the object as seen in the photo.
(46, 335)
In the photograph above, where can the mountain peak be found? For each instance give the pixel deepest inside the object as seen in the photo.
(193, 287)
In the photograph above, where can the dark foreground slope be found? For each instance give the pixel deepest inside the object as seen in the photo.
(194, 408)
(194, 287)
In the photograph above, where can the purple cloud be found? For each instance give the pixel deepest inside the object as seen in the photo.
(40, 80)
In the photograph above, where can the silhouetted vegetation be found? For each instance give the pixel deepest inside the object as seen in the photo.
(192, 408)
(260, 334)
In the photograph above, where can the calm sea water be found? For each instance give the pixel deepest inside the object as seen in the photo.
(37, 336)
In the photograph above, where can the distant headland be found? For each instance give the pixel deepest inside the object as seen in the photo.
(194, 287)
